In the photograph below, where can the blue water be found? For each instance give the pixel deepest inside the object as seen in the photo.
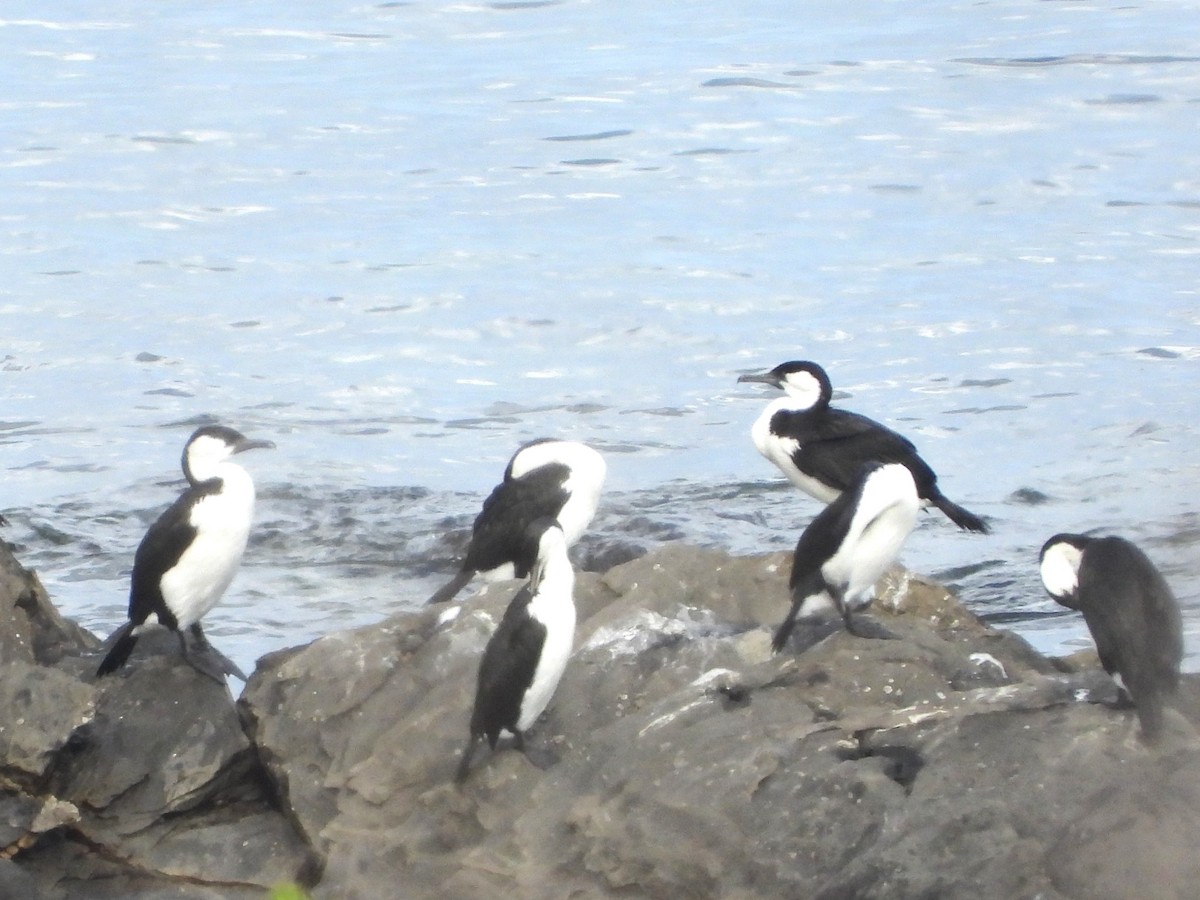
(399, 239)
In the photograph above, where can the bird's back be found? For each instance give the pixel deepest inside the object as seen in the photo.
(159, 551)
(1132, 614)
(497, 536)
(837, 443)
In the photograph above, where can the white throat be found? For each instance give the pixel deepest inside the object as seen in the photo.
(803, 389)
(779, 450)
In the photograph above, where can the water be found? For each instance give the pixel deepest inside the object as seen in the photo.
(400, 239)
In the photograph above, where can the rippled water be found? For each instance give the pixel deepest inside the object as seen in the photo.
(399, 239)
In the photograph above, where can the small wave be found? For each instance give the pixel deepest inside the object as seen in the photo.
(1075, 59)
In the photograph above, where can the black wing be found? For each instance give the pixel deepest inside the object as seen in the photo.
(158, 553)
(834, 444)
(818, 542)
(507, 668)
(821, 539)
(1132, 615)
(498, 536)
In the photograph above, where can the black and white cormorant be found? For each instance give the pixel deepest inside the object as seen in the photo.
(820, 447)
(189, 556)
(545, 478)
(527, 655)
(1130, 611)
(849, 545)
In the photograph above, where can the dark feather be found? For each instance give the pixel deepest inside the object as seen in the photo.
(1135, 621)
(506, 670)
(818, 542)
(835, 443)
(498, 536)
(450, 589)
(159, 551)
(122, 646)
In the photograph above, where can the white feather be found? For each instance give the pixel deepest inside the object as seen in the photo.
(553, 605)
(885, 516)
(779, 450)
(588, 471)
(196, 583)
(1060, 569)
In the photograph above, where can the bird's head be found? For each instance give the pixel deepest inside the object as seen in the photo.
(1059, 563)
(803, 381)
(210, 446)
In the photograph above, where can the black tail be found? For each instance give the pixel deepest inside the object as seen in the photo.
(125, 639)
(784, 631)
(959, 516)
(1150, 715)
(448, 590)
(468, 757)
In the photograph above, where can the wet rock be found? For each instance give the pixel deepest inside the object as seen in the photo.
(948, 760)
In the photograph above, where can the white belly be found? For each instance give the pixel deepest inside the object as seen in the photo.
(205, 570)
(558, 616)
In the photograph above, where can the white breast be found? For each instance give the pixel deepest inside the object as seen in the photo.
(779, 450)
(205, 570)
(554, 607)
(586, 481)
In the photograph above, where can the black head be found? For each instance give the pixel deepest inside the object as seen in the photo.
(806, 381)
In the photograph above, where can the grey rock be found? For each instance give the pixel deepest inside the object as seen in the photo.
(43, 708)
(16, 883)
(31, 629)
(139, 784)
(950, 760)
(694, 762)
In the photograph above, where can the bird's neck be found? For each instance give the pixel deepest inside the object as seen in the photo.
(236, 483)
(793, 404)
(556, 577)
(762, 432)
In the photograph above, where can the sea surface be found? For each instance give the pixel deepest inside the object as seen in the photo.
(400, 239)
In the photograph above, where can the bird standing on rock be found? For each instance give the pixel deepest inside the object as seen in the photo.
(189, 556)
(820, 448)
(550, 478)
(1130, 611)
(526, 656)
(849, 545)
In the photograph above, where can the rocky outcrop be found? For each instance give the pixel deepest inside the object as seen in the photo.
(951, 760)
(135, 785)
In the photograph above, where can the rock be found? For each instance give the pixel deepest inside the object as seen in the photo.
(949, 760)
(144, 779)
(16, 883)
(31, 629)
(694, 762)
